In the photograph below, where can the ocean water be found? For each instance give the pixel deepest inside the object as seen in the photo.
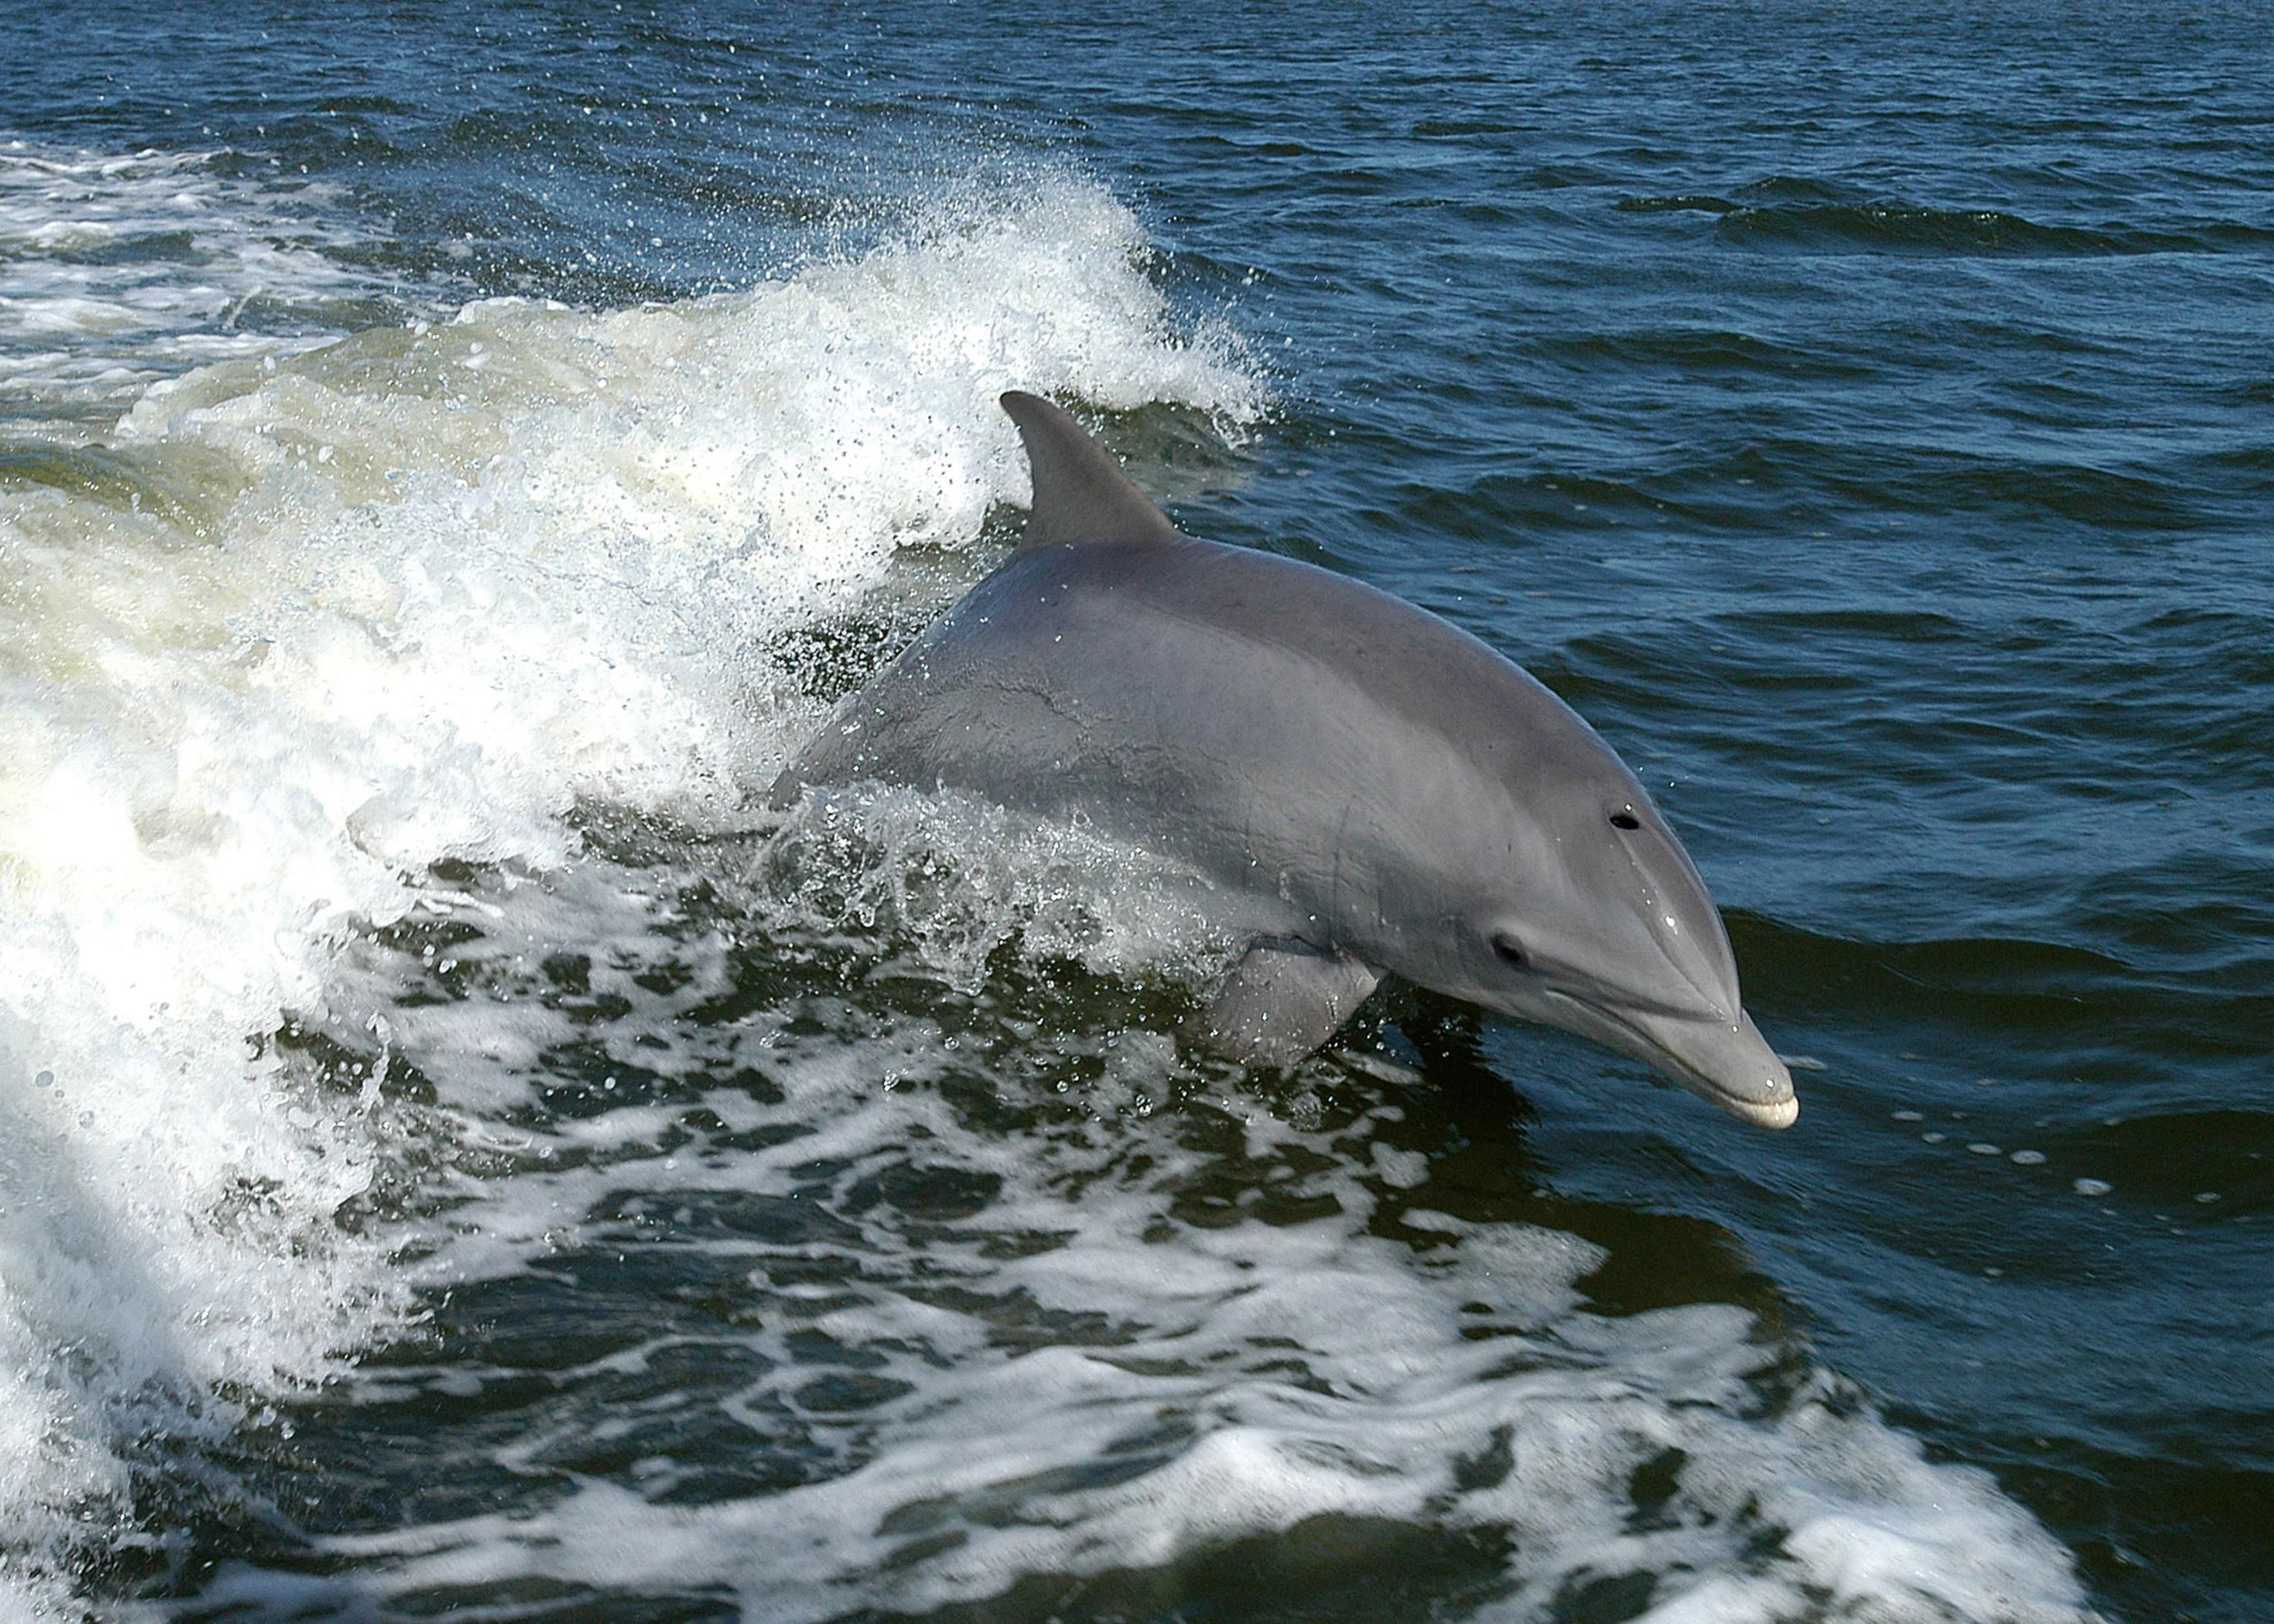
(459, 1152)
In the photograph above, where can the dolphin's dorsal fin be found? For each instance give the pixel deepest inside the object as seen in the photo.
(1081, 493)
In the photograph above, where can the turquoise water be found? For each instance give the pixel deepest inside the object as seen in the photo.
(456, 1150)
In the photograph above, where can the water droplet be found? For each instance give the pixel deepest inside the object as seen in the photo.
(1910, 1116)
(1982, 1148)
(2029, 1158)
(2092, 1186)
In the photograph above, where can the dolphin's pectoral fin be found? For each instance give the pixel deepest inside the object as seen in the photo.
(1081, 493)
(1284, 999)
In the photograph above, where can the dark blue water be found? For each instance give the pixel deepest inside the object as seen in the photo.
(1867, 424)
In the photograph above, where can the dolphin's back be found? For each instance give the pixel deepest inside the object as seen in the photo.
(1194, 696)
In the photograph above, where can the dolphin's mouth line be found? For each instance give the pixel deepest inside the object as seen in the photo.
(1640, 1006)
(1772, 1113)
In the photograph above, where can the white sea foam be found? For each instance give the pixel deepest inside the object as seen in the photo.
(1079, 1371)
(314, 620)
(118, 269)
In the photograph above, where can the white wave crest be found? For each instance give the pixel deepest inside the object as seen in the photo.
(313, 622)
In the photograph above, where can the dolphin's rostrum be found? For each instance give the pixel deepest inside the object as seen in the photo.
(1370, 790)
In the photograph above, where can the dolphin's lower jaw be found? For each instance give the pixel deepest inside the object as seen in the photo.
(1731, 1064)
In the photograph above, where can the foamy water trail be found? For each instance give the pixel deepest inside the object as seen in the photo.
(310, 623)
(958, 1312)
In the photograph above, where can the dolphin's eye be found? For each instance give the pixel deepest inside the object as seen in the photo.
(1509, 952)
(1625, 820)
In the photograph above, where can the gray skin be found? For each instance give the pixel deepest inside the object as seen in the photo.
(1369, 789)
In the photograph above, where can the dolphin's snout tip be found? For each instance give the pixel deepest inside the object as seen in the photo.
(1758, 1089)
(1725, 1062)
(1732, 1065)
(1763, 1113)
(1754, 1083)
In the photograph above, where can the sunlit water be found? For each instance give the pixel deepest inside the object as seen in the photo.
(457, 1150)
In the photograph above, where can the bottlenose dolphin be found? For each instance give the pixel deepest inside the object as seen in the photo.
(1370, 789)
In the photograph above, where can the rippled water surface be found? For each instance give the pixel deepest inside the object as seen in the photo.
(457, 1150)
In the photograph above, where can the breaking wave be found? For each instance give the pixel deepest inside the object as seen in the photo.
(312, 620)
